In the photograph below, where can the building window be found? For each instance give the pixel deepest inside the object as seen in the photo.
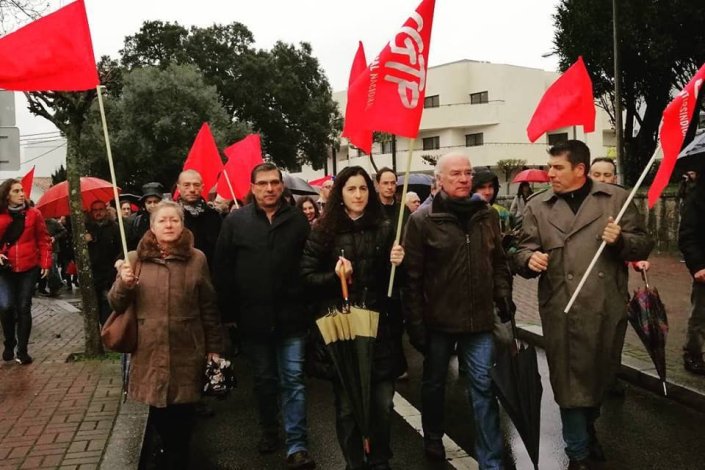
(431, 143)
(479, 98)
(431, 102)
(474, 140)
(555, 139)
(386, 146)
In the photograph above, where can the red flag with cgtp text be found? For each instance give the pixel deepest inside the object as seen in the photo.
(394, 84)
(674, 125)
(53, 53)
(355, 128)
(205, 159)
(243, 156)
(27, 181)
(567, 102)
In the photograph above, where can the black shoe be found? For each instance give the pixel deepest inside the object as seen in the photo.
(381, 466)
(434, 449)
(584, 464)
(24, 358)
(300, 460)
(8, 354)
(694, 363)
(43, 293)
(268, 443)
(596, 452)
(203, 410)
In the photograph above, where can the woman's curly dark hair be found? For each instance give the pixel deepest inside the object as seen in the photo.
(300, 205)
(334, 215)
(5, 188)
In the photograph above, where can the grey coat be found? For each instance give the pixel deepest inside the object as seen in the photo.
(584, 346)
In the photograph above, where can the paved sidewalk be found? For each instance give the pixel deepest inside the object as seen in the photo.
(673, 281)
(55, 414)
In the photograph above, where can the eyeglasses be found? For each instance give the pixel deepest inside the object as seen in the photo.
(265, 184)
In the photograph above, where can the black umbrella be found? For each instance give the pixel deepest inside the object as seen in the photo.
(647, 315)
(419, 183)
(298, 186)
(693, 156)
(518, 386)
(349, 335)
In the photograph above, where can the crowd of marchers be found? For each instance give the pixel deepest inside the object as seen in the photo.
(270, 268)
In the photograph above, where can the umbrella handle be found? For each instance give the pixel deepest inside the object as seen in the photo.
(645, 278)
(344, 286)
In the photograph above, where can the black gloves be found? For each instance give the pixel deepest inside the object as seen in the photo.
(506, 309)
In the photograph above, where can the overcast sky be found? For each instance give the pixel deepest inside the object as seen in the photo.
(517, 32)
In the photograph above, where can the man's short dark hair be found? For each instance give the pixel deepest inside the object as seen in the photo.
(605, 159)
(264, 167)
(575, 151)
(384, 170)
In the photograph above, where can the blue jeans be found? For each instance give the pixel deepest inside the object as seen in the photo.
(578, 425)
(278, 365)
(476, 351)
(16, 307)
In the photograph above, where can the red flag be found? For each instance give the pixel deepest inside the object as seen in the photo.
(243, 156)
(27, 181)
(205, 159)
(354, 127)
(567, 102)
(53, 53)
(395, 82)
(674, 125)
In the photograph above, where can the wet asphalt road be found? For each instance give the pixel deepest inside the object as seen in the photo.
(639, 431)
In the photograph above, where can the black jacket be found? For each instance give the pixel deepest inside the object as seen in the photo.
(691, 235)
(454, 273)
(256, 271)
(135, 227)
(367, 244)
(104, 249)
(205, 228)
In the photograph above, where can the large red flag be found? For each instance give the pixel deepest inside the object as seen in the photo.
(355, 127)
(674, 125)
(395, 82)
(53, 53)
(243, 156)
(205, 159)
(27, 181)
(567, 102)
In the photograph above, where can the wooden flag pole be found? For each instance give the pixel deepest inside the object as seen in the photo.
(123, 238)
(400, 219)
(230, 185)
(590, 267)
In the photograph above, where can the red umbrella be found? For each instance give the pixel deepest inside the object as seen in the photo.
(531, 176)
(55, 202)
(319, 182)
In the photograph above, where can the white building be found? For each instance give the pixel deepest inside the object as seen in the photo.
(479, 108)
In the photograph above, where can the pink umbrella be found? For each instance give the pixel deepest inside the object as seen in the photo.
(55, 202)
(531, 176)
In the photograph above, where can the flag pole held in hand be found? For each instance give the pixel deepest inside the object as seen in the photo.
(113, 179)
(400, 218)
(636, 187)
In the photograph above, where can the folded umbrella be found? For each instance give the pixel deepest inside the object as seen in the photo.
(517, 383)
(647, 315)
(349, 334)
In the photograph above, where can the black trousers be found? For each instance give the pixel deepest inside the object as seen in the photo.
(174, 425)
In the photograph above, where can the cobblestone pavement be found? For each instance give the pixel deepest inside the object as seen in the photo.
(672, 280)
(55, 414)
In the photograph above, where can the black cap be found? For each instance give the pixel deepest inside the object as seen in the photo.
(151, 190)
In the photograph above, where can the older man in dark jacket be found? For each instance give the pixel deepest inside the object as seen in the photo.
(256, 272)
(691, 241)
(456, 271)
(103, 237)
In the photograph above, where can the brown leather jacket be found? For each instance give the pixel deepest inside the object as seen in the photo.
(454, 273)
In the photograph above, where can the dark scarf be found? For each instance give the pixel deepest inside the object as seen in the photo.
(576, 198)
(16, 227)
(463, 208)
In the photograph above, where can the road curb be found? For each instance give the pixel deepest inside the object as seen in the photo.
(124, 448)
(639, 373)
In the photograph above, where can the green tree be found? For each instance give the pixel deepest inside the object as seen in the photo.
(153, 123)
(281, 93)
(59, 175)
(662, 43)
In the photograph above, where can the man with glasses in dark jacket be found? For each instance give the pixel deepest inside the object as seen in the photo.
(456, 271)
(256, 272)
